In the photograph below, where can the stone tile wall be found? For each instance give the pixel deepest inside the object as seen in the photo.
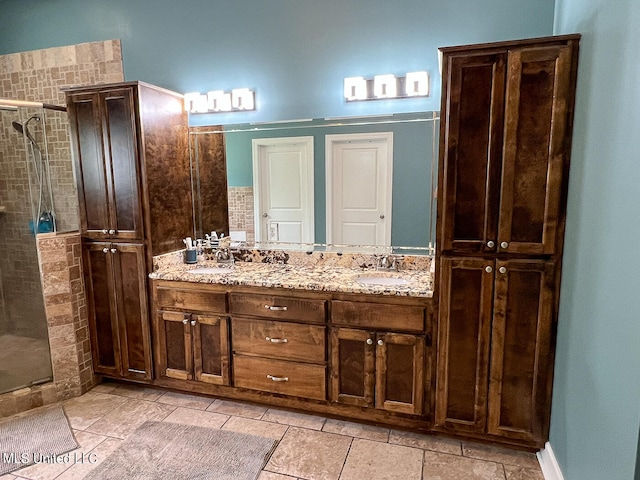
(241, 211)
(39, 76)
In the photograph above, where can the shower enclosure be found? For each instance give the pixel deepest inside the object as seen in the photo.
(37, 196)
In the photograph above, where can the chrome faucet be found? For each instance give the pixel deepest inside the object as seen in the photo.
(223, 253)
(388, 262)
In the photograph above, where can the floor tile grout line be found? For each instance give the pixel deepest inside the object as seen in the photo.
(345, 458)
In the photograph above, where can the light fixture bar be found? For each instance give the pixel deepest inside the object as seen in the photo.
(385, 87)
(219, 101)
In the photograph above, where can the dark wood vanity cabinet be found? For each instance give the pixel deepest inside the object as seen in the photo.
(279, 344)
(130, 150)
(192, 335)
(115, 280)
(507, 113)
(505, 138)
(374, 368)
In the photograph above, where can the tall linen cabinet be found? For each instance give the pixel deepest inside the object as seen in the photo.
(131, 157)
(505, 139)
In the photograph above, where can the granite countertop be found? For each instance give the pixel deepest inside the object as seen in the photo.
(318, 278)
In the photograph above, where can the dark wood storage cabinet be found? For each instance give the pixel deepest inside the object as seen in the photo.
(192, 335)
(130, 151)
(381, 369)
(507, 114)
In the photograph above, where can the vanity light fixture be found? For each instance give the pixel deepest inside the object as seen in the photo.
(355, 88)
(417, 84)
(388, 86)
(385, 86)
(239, 99)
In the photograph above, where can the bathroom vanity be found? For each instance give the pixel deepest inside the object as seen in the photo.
(320, 339)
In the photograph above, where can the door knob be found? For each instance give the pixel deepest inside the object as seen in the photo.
(382, 216)
(265, 215)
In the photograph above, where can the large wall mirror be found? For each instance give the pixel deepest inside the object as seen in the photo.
(343, 183)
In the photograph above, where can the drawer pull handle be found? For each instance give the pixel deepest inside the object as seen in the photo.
(277, 379)
(276, 340)
(276, 308)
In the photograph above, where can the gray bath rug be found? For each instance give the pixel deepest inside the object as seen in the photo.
(38, 436)
(173, 450)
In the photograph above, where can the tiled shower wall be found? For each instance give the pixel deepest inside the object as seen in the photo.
(241, 211)
(38, 76)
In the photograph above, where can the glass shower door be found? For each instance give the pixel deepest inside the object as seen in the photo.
(26, 207)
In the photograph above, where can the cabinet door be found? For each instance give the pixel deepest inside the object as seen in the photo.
(470, 151)
(101, 303)
(175, 358)
(121, 152)
(465, 311)
(535, 148)
(211, 349)
(400, 372)
(521, 350)
(91, 172)
(352, 366)
(132, 307)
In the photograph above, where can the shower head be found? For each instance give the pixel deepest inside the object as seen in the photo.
(18, 127)
(23, 129)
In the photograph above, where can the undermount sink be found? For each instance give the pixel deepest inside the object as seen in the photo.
(381, 280)
(210, 270)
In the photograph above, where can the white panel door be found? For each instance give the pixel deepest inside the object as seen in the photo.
(359, 181)
(283, 189)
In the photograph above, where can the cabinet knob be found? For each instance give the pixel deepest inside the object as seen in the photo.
(105, 231)
(114, 250)
(276, 340)
(193, 323)
(112, 232)
(273, 378)
(105, 250)
(491, 244)
(185, 321)
(369, 341)
(502, 269)
(504, 244)
(380, 342)
(488, 269)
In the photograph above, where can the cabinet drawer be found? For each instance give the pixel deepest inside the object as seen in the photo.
(271, 306)
(200, 300)
(280, 376)
(378, 316)
(285, 340)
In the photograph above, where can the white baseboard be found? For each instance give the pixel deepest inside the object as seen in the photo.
(549, 463)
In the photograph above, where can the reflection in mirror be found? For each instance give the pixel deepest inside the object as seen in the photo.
(357, 182)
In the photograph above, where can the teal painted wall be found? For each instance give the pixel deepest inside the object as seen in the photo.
(596, 403)
(294, 53)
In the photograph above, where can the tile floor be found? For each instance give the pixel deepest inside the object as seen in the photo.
(310, 447)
